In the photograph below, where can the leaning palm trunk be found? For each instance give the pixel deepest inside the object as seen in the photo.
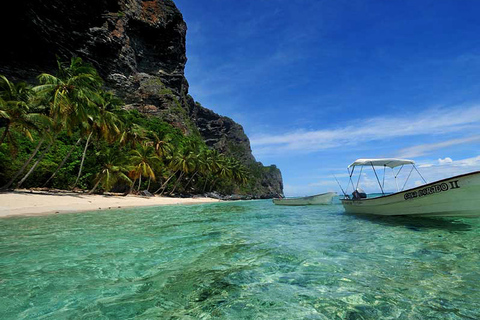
(63, 161)
(149, 180)
(19, 172)
(214, 182)
(139, 183)
(96, 184)
(191, 179)
(83, 159)
(36, 164)
(176, 183)
(133, 184)
(164, 185)
(205, 185)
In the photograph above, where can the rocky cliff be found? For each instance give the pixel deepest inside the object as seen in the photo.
(138, 47)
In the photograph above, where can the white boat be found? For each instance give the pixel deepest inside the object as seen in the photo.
(324, 198)
(458, 196)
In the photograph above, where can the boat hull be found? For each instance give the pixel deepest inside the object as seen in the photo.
(458, 196)
(324, 198)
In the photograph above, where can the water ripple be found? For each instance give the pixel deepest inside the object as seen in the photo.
(241, 260)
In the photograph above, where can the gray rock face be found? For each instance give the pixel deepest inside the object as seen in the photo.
(138, 47)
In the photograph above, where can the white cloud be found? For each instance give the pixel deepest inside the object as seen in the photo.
(433, 121)
(422, 149)
(469, 162)
(447, 160)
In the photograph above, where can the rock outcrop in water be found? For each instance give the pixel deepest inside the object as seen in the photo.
(139, 49)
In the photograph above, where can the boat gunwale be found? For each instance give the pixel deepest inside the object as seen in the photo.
(304, 198)
(411, 189)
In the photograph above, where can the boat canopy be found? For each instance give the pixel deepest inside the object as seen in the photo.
(391, 163)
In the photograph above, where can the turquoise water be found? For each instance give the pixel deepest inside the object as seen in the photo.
(239, 260)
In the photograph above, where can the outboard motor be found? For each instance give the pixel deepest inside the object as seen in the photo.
(359, 194)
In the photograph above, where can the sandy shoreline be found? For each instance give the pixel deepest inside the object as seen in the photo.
(34, 203)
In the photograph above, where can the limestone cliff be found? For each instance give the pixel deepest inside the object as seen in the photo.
(138, 47)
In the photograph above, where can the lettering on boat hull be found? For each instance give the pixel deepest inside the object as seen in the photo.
(437, 188)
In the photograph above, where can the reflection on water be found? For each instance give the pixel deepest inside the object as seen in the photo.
(241, 260)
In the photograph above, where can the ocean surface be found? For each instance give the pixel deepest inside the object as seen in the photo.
(238, 260)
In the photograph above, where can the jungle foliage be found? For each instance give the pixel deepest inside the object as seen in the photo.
(67, 132)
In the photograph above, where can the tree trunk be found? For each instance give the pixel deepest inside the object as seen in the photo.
(83, 159)
(139, 183)
(149, 180)
(133, 184)
(4, 133)
(213, 184)
(205, 185)
(96, 184)
(176, 183)
(19, 172)
(191, 179)
(165, 183)
(35, 164)
(63, 161)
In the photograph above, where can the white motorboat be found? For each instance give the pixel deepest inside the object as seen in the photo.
(457, 196)
(324, 198)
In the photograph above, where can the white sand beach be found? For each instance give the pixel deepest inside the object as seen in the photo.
(32, 203)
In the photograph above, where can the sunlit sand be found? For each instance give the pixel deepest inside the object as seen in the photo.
(30, 203)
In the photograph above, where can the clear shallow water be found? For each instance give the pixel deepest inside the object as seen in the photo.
(240, 260)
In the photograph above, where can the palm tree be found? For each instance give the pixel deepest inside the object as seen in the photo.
(199, 164)
(113, 169)
(64, 160)
(26, 163)
(223, 171)
(73, 94)
(212, 164)
(104, 124)
(71, 98)
(144, 161)
(238, 172)
(182, 161)
(41, 122)
(15, 111)
(14, 108)
(132, 134)
(164, 185)
(163, 146)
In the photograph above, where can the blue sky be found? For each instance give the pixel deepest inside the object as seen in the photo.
(318, 84)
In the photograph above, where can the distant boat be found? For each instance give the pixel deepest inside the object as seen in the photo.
(458, 196)
(324, 198)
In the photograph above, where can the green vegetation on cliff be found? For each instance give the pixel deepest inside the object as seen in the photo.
(67, 132)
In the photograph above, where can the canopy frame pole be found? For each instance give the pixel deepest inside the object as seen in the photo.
(351, 174)
(398, 171)
(407, 178)
(396, 182)
(359, 176)
(420, 174)
(396, 175)
(378, 180)
(383, 182)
